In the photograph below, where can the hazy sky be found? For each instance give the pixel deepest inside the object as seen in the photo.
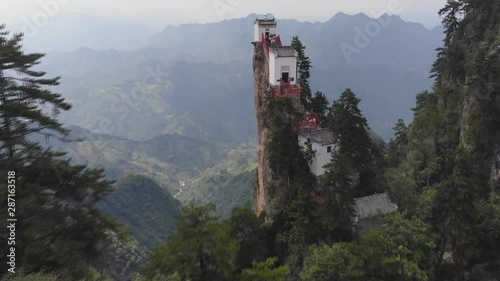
(160, 13)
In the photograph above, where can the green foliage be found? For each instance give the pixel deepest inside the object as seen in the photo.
(122, 259)
(284, 153)
(301, 228)
(309, 152)
(400, 250)
(59, 226)
(403, 189)
(337, 184)
(217, 173)
(398, 146)
(303, 69)
(147, 208)
(200, 249)
(94, 275)
(245, 227)
(451, 145)
(59, 229)
(319, 106)
(326, 263)
(23, 91)
(357, 159)
(265, 271)
(21, 276)
(161, 277)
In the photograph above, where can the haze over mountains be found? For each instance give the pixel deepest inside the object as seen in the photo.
(190, 74)
(68, 32)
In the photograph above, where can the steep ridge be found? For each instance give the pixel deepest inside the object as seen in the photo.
(262, 90)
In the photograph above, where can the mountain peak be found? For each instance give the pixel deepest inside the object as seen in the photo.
(342, 18)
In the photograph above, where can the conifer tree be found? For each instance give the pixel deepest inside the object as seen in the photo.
(303, 68)
(201, 248)
(355, 148)
(266, 271)
(319, 106)
(59, 227)
(246, 228)
(27, 106)
(453, 137)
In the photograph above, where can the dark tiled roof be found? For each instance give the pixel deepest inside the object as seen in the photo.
(266, 22)
(370, 205)
(325, 136)
(285, 51)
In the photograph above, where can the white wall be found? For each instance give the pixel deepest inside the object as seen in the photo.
(258, 31)
(321, 158)
(272, 73)
(256, 35)
(275, 64)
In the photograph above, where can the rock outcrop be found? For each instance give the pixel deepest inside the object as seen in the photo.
(262, 90)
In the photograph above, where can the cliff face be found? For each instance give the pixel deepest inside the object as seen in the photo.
(262, 90)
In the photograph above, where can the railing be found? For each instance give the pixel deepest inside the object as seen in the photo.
(278, 38)
(266, 46)
(286, 89)
(266, 43)
(316, 198)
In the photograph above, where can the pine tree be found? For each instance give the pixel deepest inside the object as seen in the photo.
(397, 147)
(59, 227)
(266, 271)
(201, 248)
(25, 101)
(337, 185)
(303, 68)
(453, 137)
(319, 106)
(245, 227)
(355, 147)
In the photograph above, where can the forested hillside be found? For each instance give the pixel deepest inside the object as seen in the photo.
(155, 181)
(441, 170)
(188, 169)
(141, 204)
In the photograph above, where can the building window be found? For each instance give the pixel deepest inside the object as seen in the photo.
(284, 77)
(329, 149)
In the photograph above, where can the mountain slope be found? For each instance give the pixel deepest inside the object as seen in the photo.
(145, 207)
(187, 168)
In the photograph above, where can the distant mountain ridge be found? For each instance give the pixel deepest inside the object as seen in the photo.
(207, 67)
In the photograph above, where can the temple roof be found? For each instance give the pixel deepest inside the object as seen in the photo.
(284, 51)
(324, 136)
(265, 21)
(370, 205)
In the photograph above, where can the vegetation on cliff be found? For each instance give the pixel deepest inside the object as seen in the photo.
(442, 170)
